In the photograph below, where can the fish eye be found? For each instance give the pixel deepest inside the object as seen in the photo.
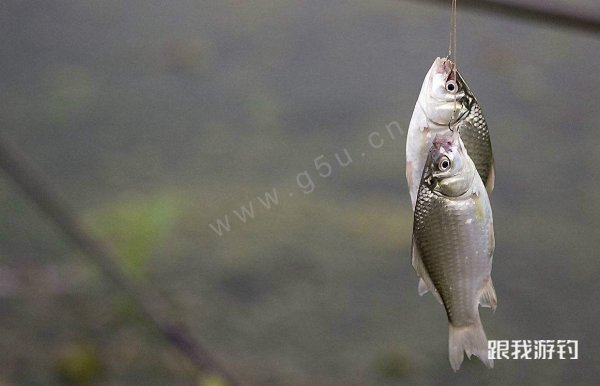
(451, 86)
(444, 164)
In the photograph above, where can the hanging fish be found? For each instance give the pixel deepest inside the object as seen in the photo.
(453, 244)
(446, 101)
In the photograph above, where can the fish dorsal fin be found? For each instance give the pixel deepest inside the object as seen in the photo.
(488, 296)
(425, 283)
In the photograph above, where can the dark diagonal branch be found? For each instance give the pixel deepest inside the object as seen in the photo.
(551, 15)
(149, 303)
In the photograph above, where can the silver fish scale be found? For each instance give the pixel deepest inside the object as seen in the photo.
(476, 137)
(453, 245)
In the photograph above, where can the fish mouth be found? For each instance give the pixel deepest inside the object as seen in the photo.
(445, 141)
(449, 71)
(444, 70)
(444, 66)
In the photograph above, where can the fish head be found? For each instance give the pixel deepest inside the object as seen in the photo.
(452, 171)
(443, 93)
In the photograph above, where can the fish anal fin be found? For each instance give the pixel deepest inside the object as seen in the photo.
(425, 283)
(488, 296)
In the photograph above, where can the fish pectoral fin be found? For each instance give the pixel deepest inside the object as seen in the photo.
(409, 180)
(425, 283)
(409, 173)
(488, 296)
(491, 180)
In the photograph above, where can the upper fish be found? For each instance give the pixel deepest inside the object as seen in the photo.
(446, 102)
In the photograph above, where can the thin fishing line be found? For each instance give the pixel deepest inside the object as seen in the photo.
(452, 54)
(452, 42)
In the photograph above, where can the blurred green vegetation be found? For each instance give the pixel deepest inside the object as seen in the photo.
(134, 227)
(78, 364)
(211, 381)
(157, 119)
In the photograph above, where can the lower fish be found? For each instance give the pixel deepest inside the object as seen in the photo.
(453, 244)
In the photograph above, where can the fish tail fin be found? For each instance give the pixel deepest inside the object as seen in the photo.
(469, 339)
